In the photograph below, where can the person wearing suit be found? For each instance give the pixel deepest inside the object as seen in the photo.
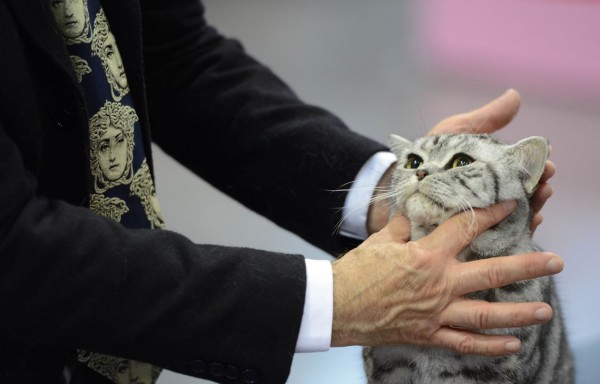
(72, 279)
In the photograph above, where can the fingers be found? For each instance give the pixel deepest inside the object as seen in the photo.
(499, 271)
(549, 171)
(458, 231)
(541, 195)
(536, 220)
(544, 190)
(471, 314)
(396, 230)
(476, 344)
(476, 314)
(487, 119)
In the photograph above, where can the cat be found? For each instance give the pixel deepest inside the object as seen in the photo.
(437, 177)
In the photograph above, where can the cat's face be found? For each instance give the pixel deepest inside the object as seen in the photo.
(439, 176)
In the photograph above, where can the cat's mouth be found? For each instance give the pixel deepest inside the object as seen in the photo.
(434, 201)
(425, 212)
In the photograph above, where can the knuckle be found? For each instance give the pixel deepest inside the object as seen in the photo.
(471, 222)
(495, 275)
(481, 317)
(420, 258)
(413, 247)
(466, 345)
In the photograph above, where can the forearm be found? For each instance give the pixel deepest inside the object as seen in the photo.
(315, 331)
(72, 279)
(244, 130)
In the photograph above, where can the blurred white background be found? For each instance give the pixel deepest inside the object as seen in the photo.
(399, 67)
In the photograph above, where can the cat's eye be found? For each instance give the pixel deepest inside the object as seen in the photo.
(460, 160)
(413, 162)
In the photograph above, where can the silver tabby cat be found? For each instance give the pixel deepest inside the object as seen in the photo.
(437, 177)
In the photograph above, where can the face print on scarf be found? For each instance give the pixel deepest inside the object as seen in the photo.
(104, 46)
(72, 19)
(118, 370)
(134, 372)
(111, 146)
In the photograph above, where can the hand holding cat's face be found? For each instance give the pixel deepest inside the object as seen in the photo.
(390, 291)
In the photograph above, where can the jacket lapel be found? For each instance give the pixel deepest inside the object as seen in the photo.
(124, 19)
(36, 22)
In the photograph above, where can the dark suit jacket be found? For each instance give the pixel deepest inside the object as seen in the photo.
(70, 279)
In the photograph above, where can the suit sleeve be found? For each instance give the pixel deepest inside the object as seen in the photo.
(229, 119)
(72, 279)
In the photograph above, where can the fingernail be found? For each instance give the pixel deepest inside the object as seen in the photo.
(554, 265)
(511, 91)
(513, 346)
(542, 314)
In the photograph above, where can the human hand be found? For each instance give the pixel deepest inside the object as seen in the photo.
(391, 291)
(486, 119)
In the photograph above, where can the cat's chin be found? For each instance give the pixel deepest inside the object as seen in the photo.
(425, 213)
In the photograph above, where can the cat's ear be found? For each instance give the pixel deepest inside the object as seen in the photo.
(531, 154)
(397, 143)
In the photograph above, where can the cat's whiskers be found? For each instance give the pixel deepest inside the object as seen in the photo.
(381, 194)
(460, 203)
(465, 206)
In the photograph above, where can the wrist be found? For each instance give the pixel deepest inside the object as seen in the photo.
(339, 336)
(348, 321)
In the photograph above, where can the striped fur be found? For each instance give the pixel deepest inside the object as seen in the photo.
(497, 172)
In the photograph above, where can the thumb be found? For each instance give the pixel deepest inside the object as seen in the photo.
(486, 119)
(396, 230)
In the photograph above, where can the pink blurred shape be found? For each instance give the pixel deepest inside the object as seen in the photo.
(548, 46)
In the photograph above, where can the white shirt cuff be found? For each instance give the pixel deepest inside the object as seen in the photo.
(356, 206)
(317, 320)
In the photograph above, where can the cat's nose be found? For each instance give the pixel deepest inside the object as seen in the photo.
(421, 173)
